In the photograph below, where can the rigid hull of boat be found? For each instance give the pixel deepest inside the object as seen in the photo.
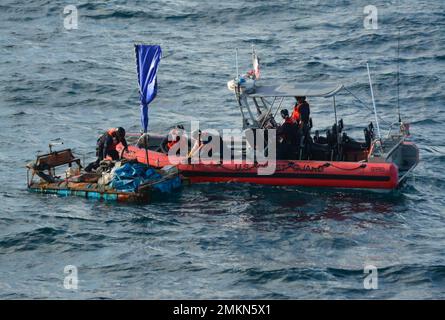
(306, 173)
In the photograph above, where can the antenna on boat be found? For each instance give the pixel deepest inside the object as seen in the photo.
(398, 76)
(398, 68)
(373, 102)
(236, 62)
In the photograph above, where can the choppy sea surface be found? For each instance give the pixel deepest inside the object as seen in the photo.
(218, 241)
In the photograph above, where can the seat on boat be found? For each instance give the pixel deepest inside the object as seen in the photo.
(54, 159)
(49, 162)
(352, 150)
(330, 147)
(319, 139)
(350, 144)
(319, 151)
(344, 148)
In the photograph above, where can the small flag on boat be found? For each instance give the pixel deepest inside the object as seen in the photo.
(405, 128)
(256, 64)
(147, 61)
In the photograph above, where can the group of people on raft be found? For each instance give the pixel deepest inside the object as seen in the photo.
(288, 133)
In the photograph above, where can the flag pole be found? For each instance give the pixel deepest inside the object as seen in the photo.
(146, 151)
(147, 61)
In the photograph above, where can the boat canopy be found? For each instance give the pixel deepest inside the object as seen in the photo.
(296, 90)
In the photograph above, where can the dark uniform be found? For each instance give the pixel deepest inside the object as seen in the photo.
(106, 146)
(288, 134)
(301, 111)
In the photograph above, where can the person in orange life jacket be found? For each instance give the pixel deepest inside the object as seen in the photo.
(172, 138)
(106, 146)
(301, 111)
(287, 135)
(287, 132)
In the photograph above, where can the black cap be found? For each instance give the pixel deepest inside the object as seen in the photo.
(121, 132)
(284, 113)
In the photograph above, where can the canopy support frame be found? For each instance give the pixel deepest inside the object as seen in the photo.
(336, 128)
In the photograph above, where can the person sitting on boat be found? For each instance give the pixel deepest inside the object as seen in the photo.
(106, 146)
(301, 111)
(287, 135)
(172, 138)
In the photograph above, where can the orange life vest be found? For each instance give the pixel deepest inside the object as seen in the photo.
(296, 113)
(113, 133)
(289, 120)
(170, 144)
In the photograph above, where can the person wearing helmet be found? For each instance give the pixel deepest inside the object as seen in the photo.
(106, 146)
(301, 111)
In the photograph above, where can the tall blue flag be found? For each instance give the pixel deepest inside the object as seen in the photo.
(147, 60)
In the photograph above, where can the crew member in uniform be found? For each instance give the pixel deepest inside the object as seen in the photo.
(106, 146)
(301, 111)
(287, 135)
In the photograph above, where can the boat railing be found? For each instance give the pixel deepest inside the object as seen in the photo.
(394, 148)
(391, 128)
(48, 162)
(406, 173)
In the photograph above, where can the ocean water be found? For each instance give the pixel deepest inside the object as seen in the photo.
(218, 241)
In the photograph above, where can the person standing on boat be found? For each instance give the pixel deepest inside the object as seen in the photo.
(106, 146)
(301, 111)
(287, 134)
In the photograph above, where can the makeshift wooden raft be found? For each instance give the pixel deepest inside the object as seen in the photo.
(131, 182)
